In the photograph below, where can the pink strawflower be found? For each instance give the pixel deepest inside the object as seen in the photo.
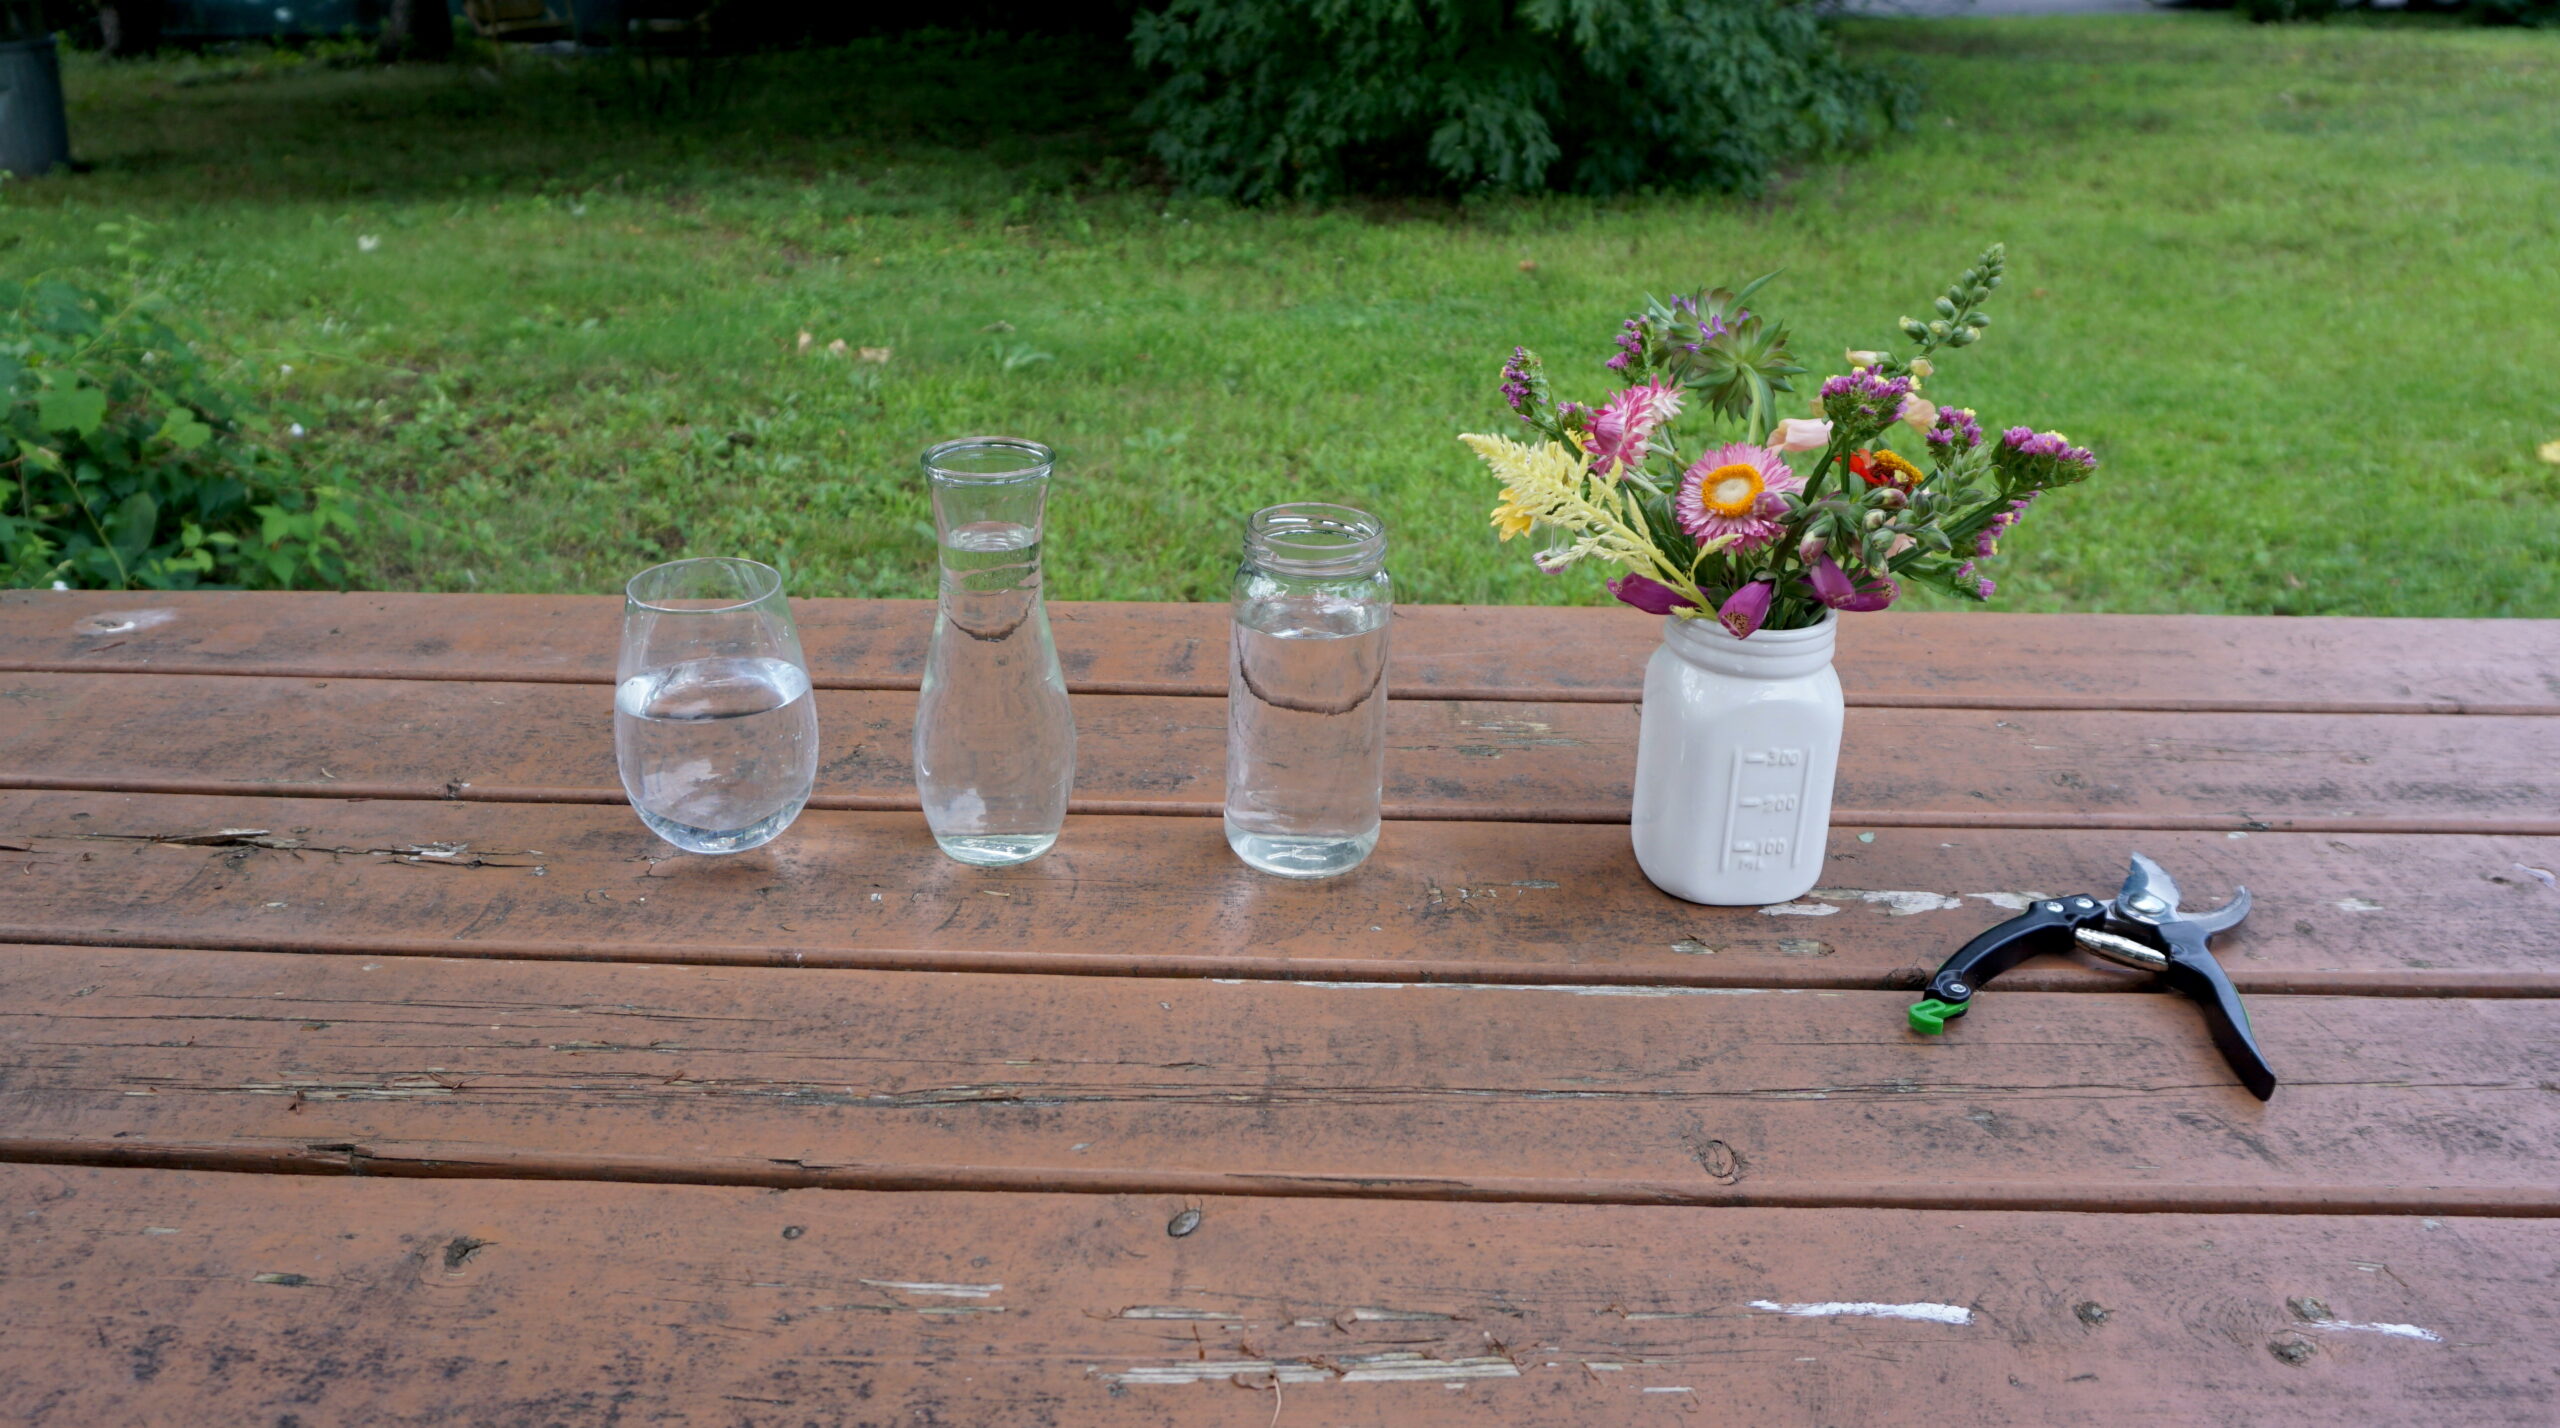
(1733, 490)
(1622, 430)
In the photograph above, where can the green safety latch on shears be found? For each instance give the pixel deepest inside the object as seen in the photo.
(1929, 1015)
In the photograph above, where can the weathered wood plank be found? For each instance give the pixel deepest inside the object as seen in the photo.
(906, 1080)
(1457, 652)
(1440, 901)
(137, 1296)
(1446, 758)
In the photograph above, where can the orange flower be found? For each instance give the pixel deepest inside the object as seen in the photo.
(1885, 468)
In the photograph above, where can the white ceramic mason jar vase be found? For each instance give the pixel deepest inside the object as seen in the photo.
(1734, 762)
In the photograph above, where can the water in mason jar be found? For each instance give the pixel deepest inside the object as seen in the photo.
(718, 755)
(1306, 733)
(995, 742)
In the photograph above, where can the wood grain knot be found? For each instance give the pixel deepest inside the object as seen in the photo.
(1721, 1161)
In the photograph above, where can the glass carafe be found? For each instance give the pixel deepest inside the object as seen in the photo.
(1307, 690)
(995, 745)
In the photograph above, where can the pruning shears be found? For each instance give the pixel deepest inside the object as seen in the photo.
(2140, 927)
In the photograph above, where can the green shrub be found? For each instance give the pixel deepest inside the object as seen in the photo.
(1270, 98)
(124, 462)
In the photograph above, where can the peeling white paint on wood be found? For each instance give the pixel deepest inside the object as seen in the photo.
(1895, 903)
(1416, 1368)
(2396, 1331)
(1576, 989)
(1799, 909)
(1355, 1368)
(2358, 904)
(1174, 1311)
(2011, 901)
(121, 622)
(949, 1291)
(1924, 1312)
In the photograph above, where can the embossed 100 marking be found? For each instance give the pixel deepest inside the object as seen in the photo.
(1768, 785)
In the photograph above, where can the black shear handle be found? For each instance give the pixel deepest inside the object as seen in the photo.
(2193, 971)
(2045, 927)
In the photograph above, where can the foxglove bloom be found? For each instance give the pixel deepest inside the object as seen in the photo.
(1649, 595)
(1863, 403)
(1982, 585)
(1833, 587)
(1622, 430)
(1733, 491)
(1743, 611)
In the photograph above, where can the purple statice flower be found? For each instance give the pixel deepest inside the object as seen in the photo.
(2029, 460)
(1745, 609)
(1982, 585)
(1987, 540)
(1649, 595)
(1862, 403)
(1954, 430)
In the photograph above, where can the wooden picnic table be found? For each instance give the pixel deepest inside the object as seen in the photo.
(362, 1060)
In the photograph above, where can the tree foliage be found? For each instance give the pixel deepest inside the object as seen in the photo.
(1274, 98)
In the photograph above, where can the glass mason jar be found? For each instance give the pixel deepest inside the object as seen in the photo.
(714, 726)
(995, 745)
(1307, 690)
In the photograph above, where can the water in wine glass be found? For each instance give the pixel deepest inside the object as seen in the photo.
(718, 754)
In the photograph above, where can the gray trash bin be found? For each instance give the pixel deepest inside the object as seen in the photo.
(34, 135)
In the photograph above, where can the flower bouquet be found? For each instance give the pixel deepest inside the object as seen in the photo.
(1685, 483)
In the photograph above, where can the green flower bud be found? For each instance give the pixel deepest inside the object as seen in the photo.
(1977, 319)
(1938, 330)
(1963, 336)
(1913, 330)
(1946, 308)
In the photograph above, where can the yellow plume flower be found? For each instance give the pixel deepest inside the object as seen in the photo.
(1550, 484)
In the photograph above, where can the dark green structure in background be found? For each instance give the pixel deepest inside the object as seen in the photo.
(34, 135)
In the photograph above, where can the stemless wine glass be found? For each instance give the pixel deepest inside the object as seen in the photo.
(713, 721)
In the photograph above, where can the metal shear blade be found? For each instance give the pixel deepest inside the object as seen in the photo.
(2141, 927)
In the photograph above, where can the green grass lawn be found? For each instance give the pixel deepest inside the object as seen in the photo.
(2299, 287)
